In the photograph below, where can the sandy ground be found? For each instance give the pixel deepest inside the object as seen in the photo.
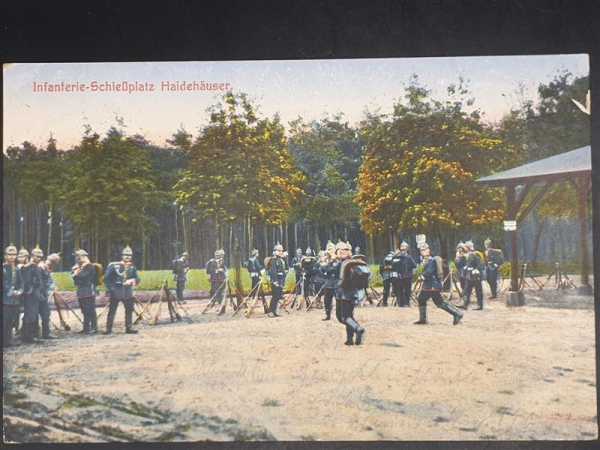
(503, 373)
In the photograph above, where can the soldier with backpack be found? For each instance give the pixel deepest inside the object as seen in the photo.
(181, 267)
(352, 281)
(474, 274)
(433, 274)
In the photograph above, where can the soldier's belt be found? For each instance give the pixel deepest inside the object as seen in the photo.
(394, 274)
(253, 274)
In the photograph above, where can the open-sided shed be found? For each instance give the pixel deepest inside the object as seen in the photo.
(575, 167)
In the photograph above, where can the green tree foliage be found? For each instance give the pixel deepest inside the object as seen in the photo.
(421, 163)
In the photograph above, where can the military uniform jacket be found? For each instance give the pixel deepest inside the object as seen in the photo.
(49, 284)
(277, 271)
(495, 258)
(254, 267)
(12, 284)
(114, 278)
(86, 281)
(33, 282)
(297, 264)
(216, 273)
(402, 266)
(179, 269)
(385, 268)
(431, 278)
(461, 264)
(351, 295)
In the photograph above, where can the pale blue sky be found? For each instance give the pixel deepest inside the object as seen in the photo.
(310, 88)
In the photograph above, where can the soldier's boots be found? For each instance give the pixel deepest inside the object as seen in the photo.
(349, 335)
(356, 329)
(327, 314)
(128, 321)
(28, 331)
(110, 319)
(452, 310)
(465, 305)
(422, 315)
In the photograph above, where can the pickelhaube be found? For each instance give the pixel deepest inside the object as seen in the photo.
(81, 252)
(127, 251)
(330, 246)
(219, 253)
(23, 252)
(487, 242)
(37, 251)
(461, 244)
(403, 245)
(185, 254)
(278, 247)
(423, 246)
(10, 250)
(254, 252)
(469, 245)
(308, 252)
(341, 245)
(298, 251)
(53, 258)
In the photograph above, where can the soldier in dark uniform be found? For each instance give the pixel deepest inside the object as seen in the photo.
(352, 281)
(318, 276)
(330, 271)
(86, 278)
(385, 270)
(474, 271)
(50, 265)
(297, 266)
(433, 274)
(120, 279)
(255, 269)
(277, 268)
(34, 291)
(217, 271)
(181, 267)
(403, 266)
(460, 261)
(494, 259)
(12, 289)
(308, 263)
(22, 259)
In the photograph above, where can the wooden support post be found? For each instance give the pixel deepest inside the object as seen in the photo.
(582, 209)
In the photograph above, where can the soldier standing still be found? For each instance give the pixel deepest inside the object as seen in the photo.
(12, 289)
(385, 270)
(351, 281)
(49, 266)
(330, 274)
(308, 266)
(494, 259)
(255, 269)
(278, 268)
(433, 274)
(34, 291)
(86, 278)
(473, 274)
(22, 259)
(217, 271)
(181, 268)
(120, 279)
(460, 261)
(297, 266)
(403, 266)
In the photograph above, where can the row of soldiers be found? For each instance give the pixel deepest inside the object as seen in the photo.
(28, 286)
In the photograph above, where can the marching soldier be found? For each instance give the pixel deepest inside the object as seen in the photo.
(307, 264)
(494, 258)
(181, 268)
(385, 269)
(460, 261)
(86, 277)
(297, 266)
(12, 289)
(433, 274)
(403, 266)
(277, 268)
(255, 269)
(120, 279)
(49, 266)
(217, 271)
(34, 291)
(474, 271)
(352, 281)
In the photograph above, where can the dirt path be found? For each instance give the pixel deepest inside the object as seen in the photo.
(522, 373)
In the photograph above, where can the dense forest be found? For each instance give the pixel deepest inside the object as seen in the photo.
(247, 180)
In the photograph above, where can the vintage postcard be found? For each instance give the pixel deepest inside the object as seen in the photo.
(300, 250)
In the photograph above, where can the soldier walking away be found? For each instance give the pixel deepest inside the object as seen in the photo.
(297, 266)
(474, 271)
(50, 265)
(385, 270)
(120, 279)
(86, 277)
(181, 268)
(217, 271)
(255, 269)
(34, 290)
(12, 290)
(460, 261)
(277, 268)
(403, 267)
(433, 274)
(494, 259)
(352, 282)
